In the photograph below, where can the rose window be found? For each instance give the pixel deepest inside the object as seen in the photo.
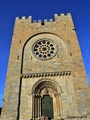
(44, 49)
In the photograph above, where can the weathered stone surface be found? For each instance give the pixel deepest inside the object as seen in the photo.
(54, 68)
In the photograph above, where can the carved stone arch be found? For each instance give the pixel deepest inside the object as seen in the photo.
(46, 83)
(45, 87)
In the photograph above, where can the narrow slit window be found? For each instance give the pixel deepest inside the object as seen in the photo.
(68, 41)
(18, 57)
(65, 25)
(20, 41)
(70, 54)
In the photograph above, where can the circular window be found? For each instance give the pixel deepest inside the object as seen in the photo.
(44, 49)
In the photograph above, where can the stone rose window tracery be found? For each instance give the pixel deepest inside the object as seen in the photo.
(44, 49)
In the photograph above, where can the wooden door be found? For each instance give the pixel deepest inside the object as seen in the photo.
(47, 106)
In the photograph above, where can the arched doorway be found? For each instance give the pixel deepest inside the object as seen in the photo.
(45, 91)
(47, 106)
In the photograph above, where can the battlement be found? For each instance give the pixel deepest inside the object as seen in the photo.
(45, 63)
(56, 18)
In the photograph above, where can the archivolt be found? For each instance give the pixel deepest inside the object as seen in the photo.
(46, 83)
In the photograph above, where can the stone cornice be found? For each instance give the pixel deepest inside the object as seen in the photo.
(46, 74)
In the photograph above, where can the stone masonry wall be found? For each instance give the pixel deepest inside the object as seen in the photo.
(71, 60)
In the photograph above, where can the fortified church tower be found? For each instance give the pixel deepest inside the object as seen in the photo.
(46, 74)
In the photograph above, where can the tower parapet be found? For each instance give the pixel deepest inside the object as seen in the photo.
(56, 18)
(24, 19)
(45, 64)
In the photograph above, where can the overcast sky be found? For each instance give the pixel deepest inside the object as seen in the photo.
(42, 9)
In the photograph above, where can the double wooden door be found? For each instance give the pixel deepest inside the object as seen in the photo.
(47, 106)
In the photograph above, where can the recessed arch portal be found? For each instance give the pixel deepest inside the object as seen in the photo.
(43, 83)
(50, 89)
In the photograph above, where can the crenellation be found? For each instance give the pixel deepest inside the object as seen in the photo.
(50, 20)
(55, 15)
(68, 14)
(62, 17)
(45, 61)
(17, 18)
(45, 20)
(23, 17)
(30, 18)
(62, 14)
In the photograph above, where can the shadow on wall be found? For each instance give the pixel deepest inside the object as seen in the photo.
(0, 111)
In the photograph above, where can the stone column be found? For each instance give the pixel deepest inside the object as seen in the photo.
(38, 105)
(33, 108)
(60, 105)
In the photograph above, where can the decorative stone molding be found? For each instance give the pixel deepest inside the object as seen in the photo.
(47, 74)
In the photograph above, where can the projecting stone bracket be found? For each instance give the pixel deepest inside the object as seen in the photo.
(47, 74)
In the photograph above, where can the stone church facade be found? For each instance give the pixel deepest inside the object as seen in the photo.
(46, 74)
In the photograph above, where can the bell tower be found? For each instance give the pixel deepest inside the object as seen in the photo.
(46, 74)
